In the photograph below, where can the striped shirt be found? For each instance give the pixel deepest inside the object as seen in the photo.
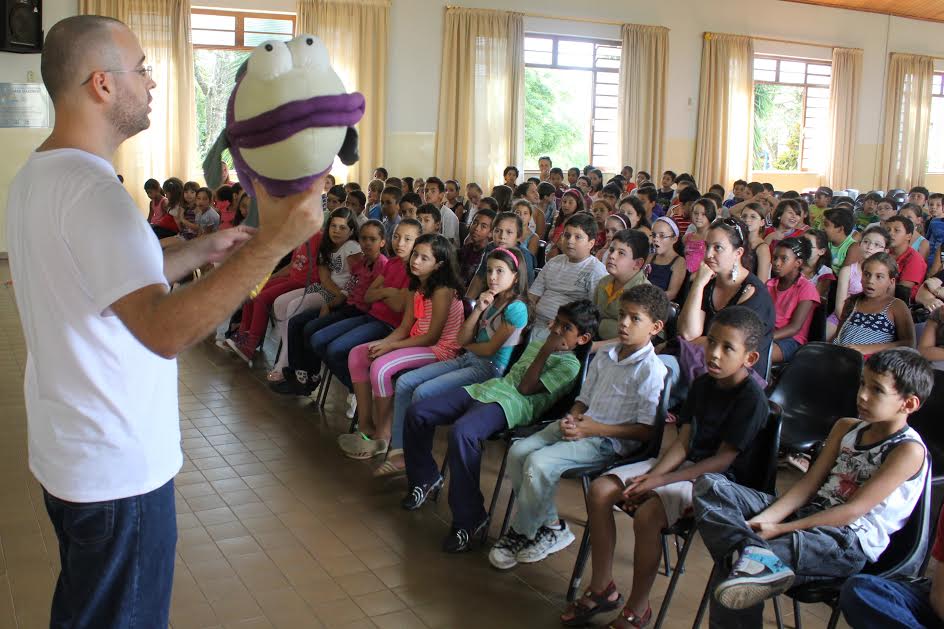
(446, 347)
(623, 391)
(561, 282)
(867, 328)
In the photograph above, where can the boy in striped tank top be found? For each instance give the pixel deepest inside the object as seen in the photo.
(839, 515)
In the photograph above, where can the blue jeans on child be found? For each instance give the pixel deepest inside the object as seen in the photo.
(868, 601)
(433, 380)
(302, 327)
(535, 465)
(335, 342)
(474, 423)
(722, 508)
(117, 560)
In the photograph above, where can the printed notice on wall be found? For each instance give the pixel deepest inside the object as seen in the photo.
(24, 105)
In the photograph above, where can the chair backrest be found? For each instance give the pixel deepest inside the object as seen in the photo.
(820, 383)
(541, 256)
(903, 293)
(763, 461)
(817, 333)
(930, 425)
(908, 547)
(468, 305)
(671, 323)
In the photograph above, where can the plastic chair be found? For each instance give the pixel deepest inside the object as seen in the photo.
(927, 421)
(815, 389)
(903, 293)
(541, 257)
(817, 332)
(905, 556)
(587, 473)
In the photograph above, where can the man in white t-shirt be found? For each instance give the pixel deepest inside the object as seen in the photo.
(103, 329)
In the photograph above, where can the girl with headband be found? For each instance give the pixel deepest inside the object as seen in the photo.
(667, 262)
(614, 223)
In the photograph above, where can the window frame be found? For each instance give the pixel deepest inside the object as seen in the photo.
(806, 85)
(239, 29)
(939, 74)
(593, 69)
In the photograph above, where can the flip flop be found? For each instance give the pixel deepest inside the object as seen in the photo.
(368, 449)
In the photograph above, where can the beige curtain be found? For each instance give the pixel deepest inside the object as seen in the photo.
(168, 147)
(725, 106)
(642, 89)
(904, 158)
(843, 116)
(481, 95)
(355, 33)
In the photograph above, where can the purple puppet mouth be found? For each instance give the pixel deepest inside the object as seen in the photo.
(281, 123)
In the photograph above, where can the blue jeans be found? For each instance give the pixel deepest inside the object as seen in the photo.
(868, 601)
(117, 560)
(432, 380)
(474, 422)
(302, 327)
(535, 465)
(336, 341)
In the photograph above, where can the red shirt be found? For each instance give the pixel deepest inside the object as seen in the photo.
(303, 266)
(395, 276)
(912, 268)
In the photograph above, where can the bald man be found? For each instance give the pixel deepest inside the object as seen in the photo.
(103, 329)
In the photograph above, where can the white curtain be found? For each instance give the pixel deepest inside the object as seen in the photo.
(481, 95)
(843, 116)
(725, 110)
(904, 159)
(355, 33)
(642, 89)
(168, 147)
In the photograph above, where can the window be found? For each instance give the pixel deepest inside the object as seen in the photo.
(221, 42)
(936, 137)
(791, 113)
(571, 93)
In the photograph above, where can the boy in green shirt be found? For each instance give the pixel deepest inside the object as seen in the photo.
(544, 373)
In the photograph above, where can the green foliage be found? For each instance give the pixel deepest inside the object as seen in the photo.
(552, 125)
(214, 78)
(778, 112)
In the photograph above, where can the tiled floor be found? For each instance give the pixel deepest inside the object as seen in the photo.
(277, 529)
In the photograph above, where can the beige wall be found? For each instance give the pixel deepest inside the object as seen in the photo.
(415, 51)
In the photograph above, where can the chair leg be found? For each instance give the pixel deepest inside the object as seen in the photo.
(324, 386)
(796, 614)
(506, 521)
(679, 565)
(665, 557)
(778, 614)
(496, 491)
(583, 553)
(833, 617)
(703, 605)
(676, 574)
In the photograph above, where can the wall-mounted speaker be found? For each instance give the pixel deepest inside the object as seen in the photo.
(21, 25)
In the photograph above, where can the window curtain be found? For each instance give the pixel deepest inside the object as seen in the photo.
(642, 90)
(843, 116)
(168, 147)
(725, 107)
(481, 96)
(355, 33)
(904, 158)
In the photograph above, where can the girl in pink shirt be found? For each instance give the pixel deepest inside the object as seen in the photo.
(793, 295)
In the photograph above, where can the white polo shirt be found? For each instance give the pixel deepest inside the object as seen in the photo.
(101, 408)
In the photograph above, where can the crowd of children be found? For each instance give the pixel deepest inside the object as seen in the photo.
(433, 309)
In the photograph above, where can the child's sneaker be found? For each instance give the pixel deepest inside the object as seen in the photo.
(758, 575)
(419, 493)
(459, 539)
(546, 542)
(504, 553)
(243, 349)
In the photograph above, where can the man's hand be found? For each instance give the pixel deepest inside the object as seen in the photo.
(287, 222)
(218, 246)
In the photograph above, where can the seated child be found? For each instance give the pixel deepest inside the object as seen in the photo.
(635, 212)
(506, 232)
(572, 202)
(544, 373)
(787, 222)
(601, 209)
(611, 418)
(571, 276)
(356, 201)
(911, 266)
(875, 319)
(628, 251)
(206, 218)
(374, 188)
(754, 219)
(703, 213)
(934, 231)
(721, 416)
(426, 334)
(919, 243)
(390, 210)
(523, 209)
(489, 335)
(874, 240)
(223, 203)
(157, 206)
(386, 297)
(471, 253)
(667, 262)
(302, 373)
(839, 515)
(794, 298)
(614, 223)
(844, 250)
(430, 218)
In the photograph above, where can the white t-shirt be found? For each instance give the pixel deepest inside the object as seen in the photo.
(101, 407)
(450, 223)
(561, 282)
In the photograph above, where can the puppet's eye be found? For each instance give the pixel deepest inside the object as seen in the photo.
(269, 60)
(308, 52)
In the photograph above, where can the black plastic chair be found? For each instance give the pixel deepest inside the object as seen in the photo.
(903, 293)
(815, 389)
(587, 473)
(929, 424)
(905, 556)
(541, 256)
(817, 332)
(763, 477)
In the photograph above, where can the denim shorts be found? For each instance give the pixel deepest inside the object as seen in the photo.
(788, 348)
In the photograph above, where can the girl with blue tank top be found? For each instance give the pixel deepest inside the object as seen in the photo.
(489, 335)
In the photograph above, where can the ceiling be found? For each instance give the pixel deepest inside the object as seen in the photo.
(918, 9)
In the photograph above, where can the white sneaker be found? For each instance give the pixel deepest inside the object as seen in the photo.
(351, 406)
(546, 542)
(504, 552)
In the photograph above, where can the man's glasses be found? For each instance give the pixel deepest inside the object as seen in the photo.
(145, 73)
